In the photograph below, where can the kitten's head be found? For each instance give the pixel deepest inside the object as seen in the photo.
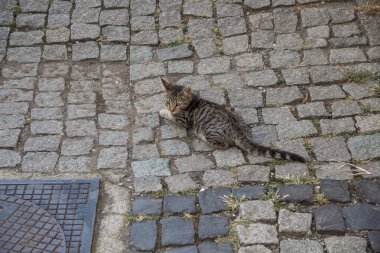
(177, 97)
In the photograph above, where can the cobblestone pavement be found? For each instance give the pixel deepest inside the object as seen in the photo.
(80, 95)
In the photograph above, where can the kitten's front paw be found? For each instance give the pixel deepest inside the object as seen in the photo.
(166, 114)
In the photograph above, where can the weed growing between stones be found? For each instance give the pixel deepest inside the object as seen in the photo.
(141, 217)
(370, 8)
(232, 236)
(319, 198)
(233, 202)
(361, 76)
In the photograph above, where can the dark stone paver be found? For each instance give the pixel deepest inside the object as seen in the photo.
(329, 219)
(362, 217)
(335, 190)
(249, 192)
(211, 201)
(174, 204)
(374, 239)
(186, 249)
(296, 193)
(212, 226)
(147, 206)
(143, 235)
(368, 191)
(209, 247)
(177, 231)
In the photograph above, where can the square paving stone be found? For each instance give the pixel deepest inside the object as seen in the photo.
(254, 248)
(337, 171)
(231, 157)
(176, 52)
(258, 210)
(147, 206)
(39, 162)
(291, 170)
(249, 192)
(362, 217)
(294, 223)
(42, 143)
(296, 193)
(151, 167)
(192, 163)
(218, 178)
(300, 246)
(364, 147)
(211, 247)
(113, 157)
(46, 127)
(143, 235)
(201, 8)
(349, 244)
(186, 249)
(9, 138)
(257, 234)
(253, 173)
(211, 201)
(285, 20)
(180, 183)
(177, 231)
(85, 51)
(80, 146)
(74, 164)
(9, 158)
(174, 204)
(331, 149)
(212, 226)
(337, 125)
(174, 147)
(147, 184)
(262, 39)
(335, 190)
(80, 128)
(329, 219)
(368, 191)
(345, 108)
(374, 240)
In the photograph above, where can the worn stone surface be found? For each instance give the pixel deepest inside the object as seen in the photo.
(258, 210)
(179, 204)
(294, 223)
(218, 178)
(364, 147)
(329, 219)
(177, 231)
(296, 193)
(179, 183)
(212, 226)
(298, 246)
(345, 244)
(330, 149)
(335, 190)
(257, 233)
(210, 201)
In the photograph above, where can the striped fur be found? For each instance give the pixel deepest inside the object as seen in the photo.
(214, 124)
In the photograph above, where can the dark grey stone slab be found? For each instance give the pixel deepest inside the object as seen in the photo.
(329, 219)
(212, 247)
(296, 193)
(147, 206)
(179, 204)
(249, 192)
(212, 226)
(177, 231)
(210, 200)
(374, 240)
(186, 249)
(335, 190)
(369, 191)
(143, 235)
(362, 217)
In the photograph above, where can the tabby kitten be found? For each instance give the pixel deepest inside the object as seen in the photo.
(214, 124)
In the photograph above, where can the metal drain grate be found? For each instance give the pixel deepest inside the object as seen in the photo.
(71, 202)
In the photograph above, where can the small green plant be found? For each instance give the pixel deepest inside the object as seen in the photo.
(189, 192)
(320, 199)
(141, 217)
(281, 81)
(233, 202)
(278, 201)
(188, 216)
(304, 179)
(361, 76)
(232, 237)
(367, 110)
(16, 9)
(160, 194)
(308, 145)
(317, 124)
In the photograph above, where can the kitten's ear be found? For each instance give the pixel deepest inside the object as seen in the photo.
(186, 92)
(166, 85)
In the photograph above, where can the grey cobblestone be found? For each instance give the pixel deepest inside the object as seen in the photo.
(298, 246)
(218, 178)
(24, 54)
(368, 123)
(174, 147)
(179, 183)
(295, 129)
(337, 125)
(74, 164)
(43, 143)
(315, 109)
(326, 92)
(145, 152)
(283, 95)
(114, 157)
(262, 39)
(193, 163)
(214, 65)
(231, 157)
(205, 47)
(261, 78)
(364, 147)
(9, 158)
(345, 108)
(46, 127)
(330, 149)
(257, 234)
(330, 171)
(152, 167)
(258, 210)
(39, 162)
(253, 173)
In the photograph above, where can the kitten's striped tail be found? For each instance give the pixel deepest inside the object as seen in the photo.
(251, 147)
